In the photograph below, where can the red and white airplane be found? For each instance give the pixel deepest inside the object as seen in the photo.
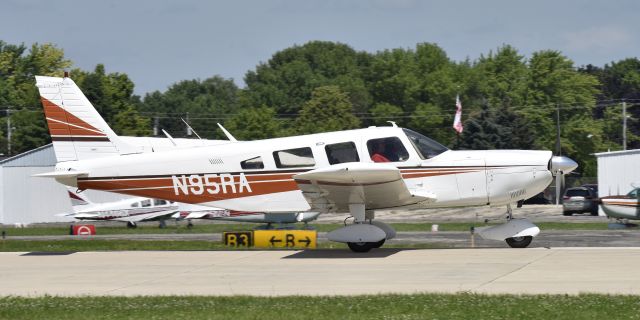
(623, 207)
(354, 171)
(141, 209)
(131, 211)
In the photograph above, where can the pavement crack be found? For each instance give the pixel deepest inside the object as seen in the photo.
(487, 283)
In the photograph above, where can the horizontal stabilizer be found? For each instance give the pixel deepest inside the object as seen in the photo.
(60, 174)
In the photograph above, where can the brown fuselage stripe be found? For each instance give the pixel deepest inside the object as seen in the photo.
(622, 204)
(83, 139)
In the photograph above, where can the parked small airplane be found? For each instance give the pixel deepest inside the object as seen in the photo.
(623, 207)
(141, 209)
(353, 171)
(131, 211)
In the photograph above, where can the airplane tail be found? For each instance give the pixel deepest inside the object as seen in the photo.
(78, 199)
(77, 130)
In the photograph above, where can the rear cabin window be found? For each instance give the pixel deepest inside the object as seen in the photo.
(342, 152)
(294, 158)
(159, 202)
(253, 163)
(577, 193)
(388, 149)
(135, 205)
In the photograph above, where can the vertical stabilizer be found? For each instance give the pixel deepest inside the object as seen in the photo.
(77, 130)
(77, 199)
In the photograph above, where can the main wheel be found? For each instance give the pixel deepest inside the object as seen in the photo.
(519, 242)
(361, 246)
(378, 244)
(131, 225)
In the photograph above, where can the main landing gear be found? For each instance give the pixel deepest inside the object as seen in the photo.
(364, 234)
(518, 233)
(131, 225)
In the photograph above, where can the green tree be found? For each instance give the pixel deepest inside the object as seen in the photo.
(329, 109)
(287, 80)
(128, 122)
(254, 124)
(497, 128)
(19, 94)
(554, 82)
(431, 121)
(203, 102)
(383, 112)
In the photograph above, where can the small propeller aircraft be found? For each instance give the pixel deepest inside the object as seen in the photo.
(131, 211)
(623, 207)
(141, 209)
(353, 171)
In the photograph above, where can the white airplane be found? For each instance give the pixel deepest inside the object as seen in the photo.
(623, 207)
(141, 209)
(131, 211)
(353, 171)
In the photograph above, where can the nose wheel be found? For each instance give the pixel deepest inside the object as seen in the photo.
(519, 242)
(361, 246)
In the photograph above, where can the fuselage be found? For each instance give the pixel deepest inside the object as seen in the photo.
(126, 208)
(257, 175)
(622, 206)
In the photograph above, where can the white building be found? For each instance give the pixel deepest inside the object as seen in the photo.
(617, 170)
(26, 199)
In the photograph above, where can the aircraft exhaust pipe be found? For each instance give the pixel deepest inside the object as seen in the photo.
(562, 164)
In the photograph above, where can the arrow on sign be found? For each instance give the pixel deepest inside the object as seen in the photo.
(274, 240)
(307, 241)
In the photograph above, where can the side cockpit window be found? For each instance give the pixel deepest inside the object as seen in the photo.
(426, 148)
(388, 149)
(294, 158)
(342, 152)
(253, 163)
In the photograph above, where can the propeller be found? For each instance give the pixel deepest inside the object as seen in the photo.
(560, 166)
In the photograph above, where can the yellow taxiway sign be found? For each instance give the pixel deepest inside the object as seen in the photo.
(306, 239)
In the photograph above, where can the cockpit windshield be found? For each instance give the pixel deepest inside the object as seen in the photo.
(426, 148)
(635, 193)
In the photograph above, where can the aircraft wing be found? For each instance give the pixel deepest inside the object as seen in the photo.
(151, 216)
(377, 185)
(205, 214)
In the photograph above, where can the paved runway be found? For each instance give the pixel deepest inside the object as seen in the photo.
(323, 272)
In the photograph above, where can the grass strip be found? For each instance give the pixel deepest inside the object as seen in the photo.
(414, 306)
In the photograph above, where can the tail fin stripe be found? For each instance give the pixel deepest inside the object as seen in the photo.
(92, 131)
(70, 122)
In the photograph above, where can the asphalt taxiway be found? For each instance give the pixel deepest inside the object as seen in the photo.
(322, 272)
(440, 239)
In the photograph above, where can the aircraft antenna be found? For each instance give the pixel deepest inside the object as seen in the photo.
(393, 124)
(227, 133)
(194, 131)
(170, 138)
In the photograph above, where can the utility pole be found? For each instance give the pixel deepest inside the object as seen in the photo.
(188, 127)
(156, 124)
(558, 147)
(8, 131)
(624, 125)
